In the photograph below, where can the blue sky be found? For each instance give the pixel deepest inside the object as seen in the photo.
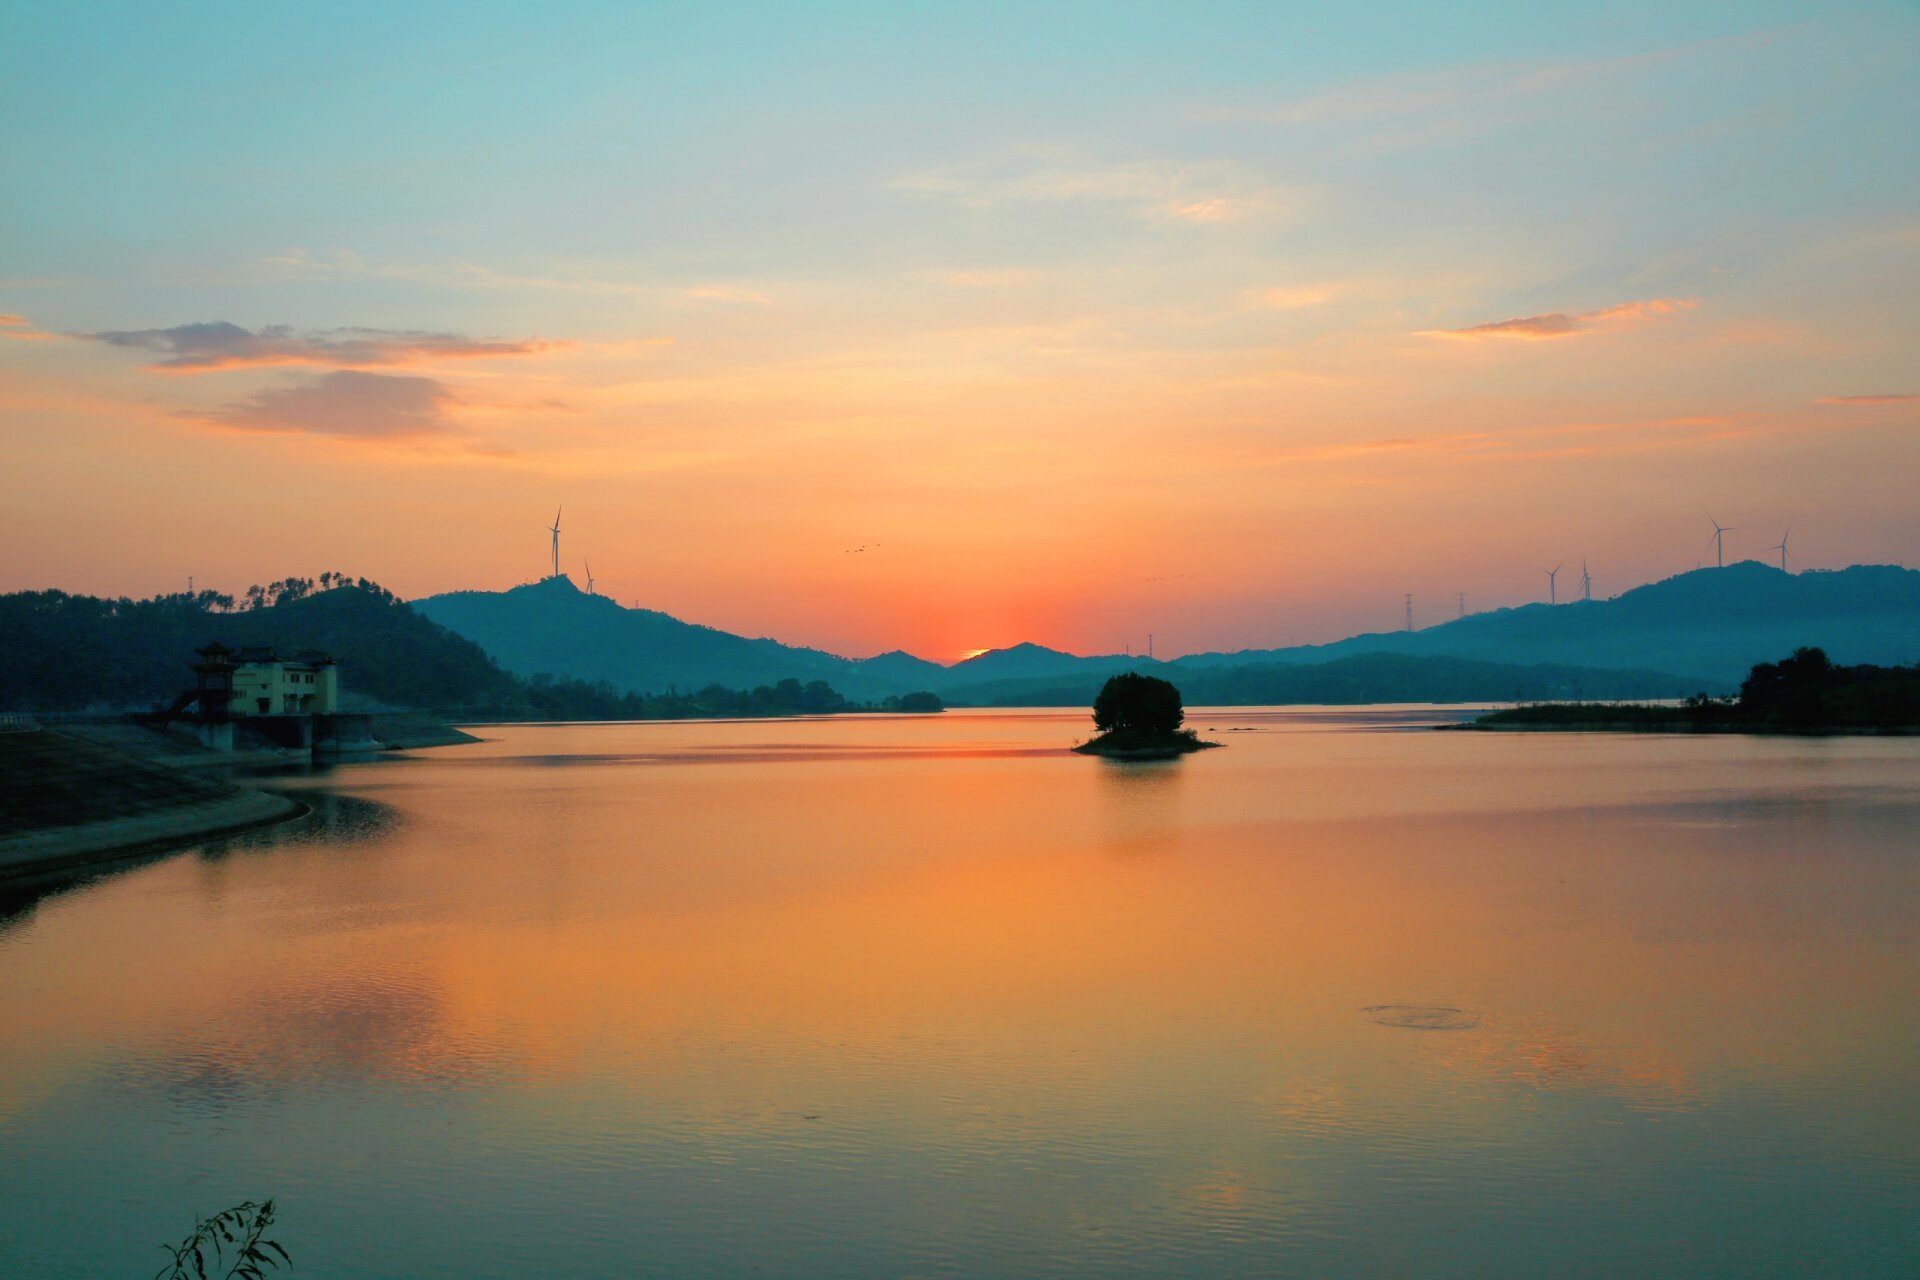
(920, 264)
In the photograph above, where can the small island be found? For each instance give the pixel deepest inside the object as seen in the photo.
(1803, 694)
(1139, 718)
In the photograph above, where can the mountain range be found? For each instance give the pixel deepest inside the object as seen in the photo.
(1697, 630)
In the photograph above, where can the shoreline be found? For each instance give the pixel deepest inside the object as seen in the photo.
(1668, 727)
(108, 840)
(1153, 747)
(96, 792)
(146, 791)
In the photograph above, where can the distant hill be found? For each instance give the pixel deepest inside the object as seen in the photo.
(552, 627)
(1710, 624)
(1699, 630)
(1362, 678)
(1032, 662)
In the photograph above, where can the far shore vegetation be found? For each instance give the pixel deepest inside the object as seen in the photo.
(545, 698)
(1805, 693)
(1140, 718)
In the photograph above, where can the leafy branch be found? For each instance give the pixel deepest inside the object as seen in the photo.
(237, 1233)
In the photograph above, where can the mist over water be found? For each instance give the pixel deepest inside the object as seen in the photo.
(932, 996)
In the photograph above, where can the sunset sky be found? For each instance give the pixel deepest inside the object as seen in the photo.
(1231, 323)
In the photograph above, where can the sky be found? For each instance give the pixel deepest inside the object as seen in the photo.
(944, 327)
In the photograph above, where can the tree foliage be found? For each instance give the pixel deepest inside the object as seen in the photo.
(1133, 703)
(234, 1239)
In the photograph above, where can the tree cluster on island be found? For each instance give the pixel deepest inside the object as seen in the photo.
(1139, 718)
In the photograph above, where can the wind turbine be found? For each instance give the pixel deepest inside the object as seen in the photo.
(589, 565)
(1553, 582)
(1781, 547)
(1719, 554)
(555, 531)
(1586, 581)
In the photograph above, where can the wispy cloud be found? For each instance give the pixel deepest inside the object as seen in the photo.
(21, 329)
(213, 345)
(1570, 439)
(1293, 297)
(990, 278)
(1222, 208)
(1491, 90)
(1189, 193)
(1561, 324)
(728, 293)
(1892, 397)
(344, 264)
(346, 404)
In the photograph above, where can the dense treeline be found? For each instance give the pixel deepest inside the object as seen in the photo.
(1809, 690)
(72, 653)
(1805, 693)
(545, 698)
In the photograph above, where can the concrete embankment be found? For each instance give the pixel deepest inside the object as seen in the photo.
(69, 797)
(407, 730)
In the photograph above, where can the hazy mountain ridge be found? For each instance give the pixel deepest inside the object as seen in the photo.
(552, 627)
(1713, 624)
(1702, 629)
(1697, 630)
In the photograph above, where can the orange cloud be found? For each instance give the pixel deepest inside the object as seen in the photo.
(21, 329)
(1215, 209)
(209, 346)
(1898, 397)
(1560, 324)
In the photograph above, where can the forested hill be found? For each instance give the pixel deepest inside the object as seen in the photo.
(67, 652)
(553, 627)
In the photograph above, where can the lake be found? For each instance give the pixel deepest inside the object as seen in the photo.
(929, 996)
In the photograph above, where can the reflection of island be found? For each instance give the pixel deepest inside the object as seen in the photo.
(1805, 693)
(1139, 718)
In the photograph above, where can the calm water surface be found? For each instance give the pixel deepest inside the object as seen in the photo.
(928, 996)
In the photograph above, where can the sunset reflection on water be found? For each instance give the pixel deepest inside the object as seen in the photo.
(934, 996)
